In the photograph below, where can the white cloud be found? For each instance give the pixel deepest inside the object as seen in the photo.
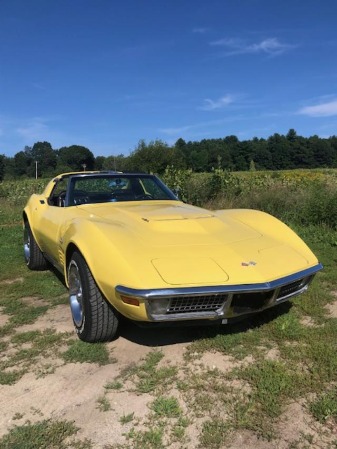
(36, 128)
(199, 30)
(39, 86)
(200, 125)
(179, 130)
(211, 105)
(320, 110)
(271, 46)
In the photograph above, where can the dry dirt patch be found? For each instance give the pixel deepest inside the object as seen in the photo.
(332, 307)
(72, 391)
(3, 318)
(11, 281)
(56, 318)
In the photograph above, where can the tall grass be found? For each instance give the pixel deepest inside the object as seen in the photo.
(299, 197)
(18, 191)
(310, 205)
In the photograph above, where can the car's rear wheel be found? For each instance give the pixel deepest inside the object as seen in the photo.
(33, 255)
(94, 318)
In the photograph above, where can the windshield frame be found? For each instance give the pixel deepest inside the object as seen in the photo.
(74, 198)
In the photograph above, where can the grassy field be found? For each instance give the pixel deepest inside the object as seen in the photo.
(244, 385)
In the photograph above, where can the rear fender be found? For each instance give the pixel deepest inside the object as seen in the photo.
(32, 213)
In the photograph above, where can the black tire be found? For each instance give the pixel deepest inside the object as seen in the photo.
(33, 255)
(94, 318)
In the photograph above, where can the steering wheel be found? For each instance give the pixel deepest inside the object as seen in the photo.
(145, 196)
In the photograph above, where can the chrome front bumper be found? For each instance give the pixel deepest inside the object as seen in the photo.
(219, 302)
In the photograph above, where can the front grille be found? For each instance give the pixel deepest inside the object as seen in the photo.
(190, 304)
(250, 302)
(290, 289)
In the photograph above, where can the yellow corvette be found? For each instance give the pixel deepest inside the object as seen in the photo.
(128, 247)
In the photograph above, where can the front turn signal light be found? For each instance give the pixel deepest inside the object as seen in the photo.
(130, 300)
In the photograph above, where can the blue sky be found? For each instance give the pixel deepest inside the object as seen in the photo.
(107, 73)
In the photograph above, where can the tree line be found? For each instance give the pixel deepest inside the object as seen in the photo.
(278, 152)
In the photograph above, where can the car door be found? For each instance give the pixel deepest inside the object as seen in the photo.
(52, 221)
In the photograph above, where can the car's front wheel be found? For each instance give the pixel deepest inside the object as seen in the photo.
(33, 255)
(94, 318)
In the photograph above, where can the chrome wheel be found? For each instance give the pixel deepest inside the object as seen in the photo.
(75, 293)
(34, 257)
(26, 244)
(94, 318)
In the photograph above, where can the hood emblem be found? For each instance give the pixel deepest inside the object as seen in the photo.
(247, 264)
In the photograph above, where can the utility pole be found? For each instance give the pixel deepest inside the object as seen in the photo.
(35, 169)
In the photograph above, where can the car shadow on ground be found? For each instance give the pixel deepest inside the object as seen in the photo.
(57, 274)
(153, 336)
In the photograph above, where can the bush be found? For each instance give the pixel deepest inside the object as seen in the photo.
(319, 206)
(17, 192)
(303, 203)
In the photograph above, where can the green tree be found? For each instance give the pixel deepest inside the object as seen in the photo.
(2, 166)
(240, 160)
(291, 135)
(153, 157)
(260, 154)
(218, 153)
(199, 160)
(333, 144)
(9, 170)
(323, 153)
(76, 157)
(22, 162)
(99, 162)
(116, 163)
(43, 158)
(252, 166)
(302, 154)
(280, 150)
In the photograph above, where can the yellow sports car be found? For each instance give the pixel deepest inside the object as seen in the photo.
(127, 246)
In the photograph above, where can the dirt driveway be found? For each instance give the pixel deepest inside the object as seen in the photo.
(76, 392)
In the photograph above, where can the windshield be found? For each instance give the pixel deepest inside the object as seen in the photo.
(89, 189)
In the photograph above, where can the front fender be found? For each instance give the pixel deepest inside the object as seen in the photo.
(271, 226)
(114, 256)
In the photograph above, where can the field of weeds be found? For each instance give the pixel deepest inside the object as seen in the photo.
(268, 382)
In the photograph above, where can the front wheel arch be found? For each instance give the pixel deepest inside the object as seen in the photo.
(94, 318)
(69, 252)
(34, 257)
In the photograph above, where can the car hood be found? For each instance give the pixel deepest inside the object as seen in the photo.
(186, 245)
(179, 224)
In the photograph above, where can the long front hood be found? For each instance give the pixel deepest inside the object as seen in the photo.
(172, 223)
(178, 245)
